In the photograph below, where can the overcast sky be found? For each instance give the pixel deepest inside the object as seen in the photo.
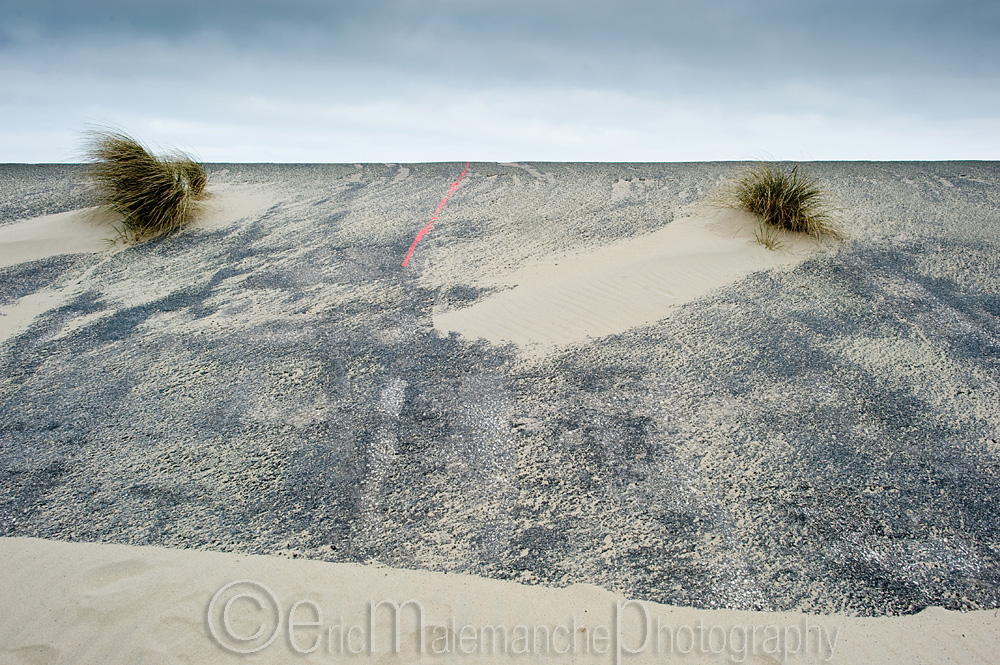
(504, 80)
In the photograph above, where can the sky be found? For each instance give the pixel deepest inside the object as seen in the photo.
(504, 80)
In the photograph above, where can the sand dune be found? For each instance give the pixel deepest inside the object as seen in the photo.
(567, 299)
(93, 229)
(73, 232)
(88, 603)
(90, 231)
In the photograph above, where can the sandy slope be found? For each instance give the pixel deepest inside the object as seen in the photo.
(92, 231)
(567, 298)
(700, 422)
(62, 233)
(105, 604)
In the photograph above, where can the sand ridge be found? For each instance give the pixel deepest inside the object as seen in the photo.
(73, 232)
(568, 298)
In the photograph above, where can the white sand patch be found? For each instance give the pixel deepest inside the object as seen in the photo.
(91, 230)
(933, 376)
(81, 322)
(15, 318)
(532, 171)
(228, 204)
(88, 603)
(18, 316)
(73, 232)
(563, 300)
(620, 190)
(402, 174)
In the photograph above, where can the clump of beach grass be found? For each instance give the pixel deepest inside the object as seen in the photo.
(783, 198)
(153, 195)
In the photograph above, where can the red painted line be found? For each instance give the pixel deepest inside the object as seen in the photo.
(430, 224)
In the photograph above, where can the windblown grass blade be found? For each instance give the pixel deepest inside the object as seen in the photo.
(154, 196)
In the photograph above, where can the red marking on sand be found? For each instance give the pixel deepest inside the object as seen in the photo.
(430, 224)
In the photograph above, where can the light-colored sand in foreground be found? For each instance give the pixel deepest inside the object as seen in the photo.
(91, 230)
(567, 299)
(90, 603)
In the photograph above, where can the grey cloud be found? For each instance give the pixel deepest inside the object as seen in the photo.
(554, 37)
(834, 63)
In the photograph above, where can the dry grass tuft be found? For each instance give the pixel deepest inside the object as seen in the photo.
(154, 195)
(783, 198)
(768, 235)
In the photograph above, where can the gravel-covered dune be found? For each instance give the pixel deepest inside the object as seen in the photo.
(817, 431)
